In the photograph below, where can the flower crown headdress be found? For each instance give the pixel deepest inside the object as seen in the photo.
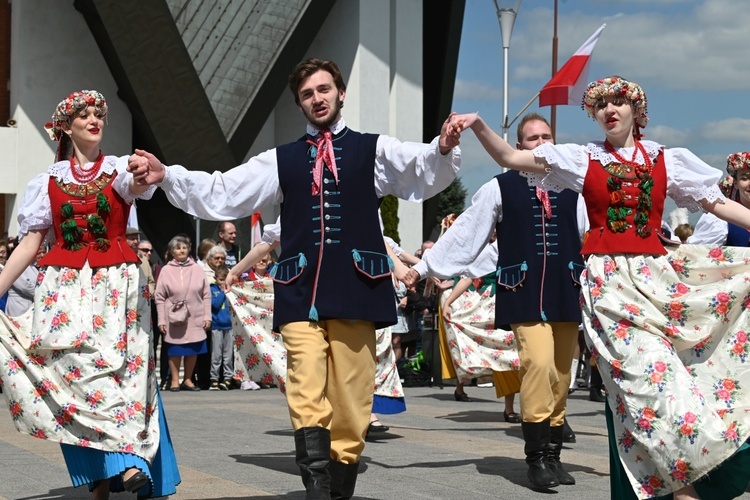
(616, 86)
(71, 105)
(735, 163)
(738, 161)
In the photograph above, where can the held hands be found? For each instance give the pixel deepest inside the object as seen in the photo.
(449, 139)
(400, 271)
(146, 168)
(411, 278)
(459, 123)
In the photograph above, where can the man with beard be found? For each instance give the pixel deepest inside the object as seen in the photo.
(332, 282)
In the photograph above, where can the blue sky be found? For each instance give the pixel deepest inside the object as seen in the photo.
(690, 56)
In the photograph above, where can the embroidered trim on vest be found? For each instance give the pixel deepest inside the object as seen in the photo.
(617, 211)
(83, 190)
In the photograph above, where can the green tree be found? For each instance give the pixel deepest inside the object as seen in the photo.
(389, 213)
(452, 200)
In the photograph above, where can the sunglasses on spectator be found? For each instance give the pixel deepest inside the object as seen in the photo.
(145, 250)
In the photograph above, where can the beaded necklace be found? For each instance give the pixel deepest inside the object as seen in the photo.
(86, 176)
(617, 211)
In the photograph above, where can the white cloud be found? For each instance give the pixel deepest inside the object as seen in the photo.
(729, 130)
(669, 136)
(718, 161)
(472, 91)
(703, 47)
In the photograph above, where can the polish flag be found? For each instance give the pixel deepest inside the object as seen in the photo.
(255, 233)
(569, 83)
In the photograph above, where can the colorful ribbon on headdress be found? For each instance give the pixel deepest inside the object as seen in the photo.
(543, 197)
(324, 154)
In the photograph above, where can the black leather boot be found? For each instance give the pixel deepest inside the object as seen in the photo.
(313, 454)
(553, 457)
(536, 436)
(596, 392)
(343, 479)
(568, 435)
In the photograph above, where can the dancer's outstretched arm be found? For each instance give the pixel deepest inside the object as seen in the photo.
(498, 148)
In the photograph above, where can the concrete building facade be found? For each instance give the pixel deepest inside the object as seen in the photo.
(203, 83)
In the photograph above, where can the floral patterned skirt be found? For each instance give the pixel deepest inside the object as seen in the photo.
(476, 347)
(78, 367)
(669, 335)
(260, 354)
(387, 380)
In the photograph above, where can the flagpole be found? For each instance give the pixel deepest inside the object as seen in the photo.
(553, 111)
(524, 109)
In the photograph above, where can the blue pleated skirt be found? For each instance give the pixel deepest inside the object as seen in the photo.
(191, 349)
(386, 405)
(88, 465)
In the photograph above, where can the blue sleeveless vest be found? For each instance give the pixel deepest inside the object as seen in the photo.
(737, 236)
(539, 261)
(333, 263)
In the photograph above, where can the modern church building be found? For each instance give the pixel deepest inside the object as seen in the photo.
(203, 83)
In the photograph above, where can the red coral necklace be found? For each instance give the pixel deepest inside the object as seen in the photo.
(86, 176)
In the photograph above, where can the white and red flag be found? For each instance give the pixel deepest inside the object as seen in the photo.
(569, 83)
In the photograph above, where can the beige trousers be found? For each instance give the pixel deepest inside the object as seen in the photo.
(546, 352)
(330, 380)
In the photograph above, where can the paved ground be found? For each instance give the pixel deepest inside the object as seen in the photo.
(238, 444)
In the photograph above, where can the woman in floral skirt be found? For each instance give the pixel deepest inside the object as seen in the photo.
(78, 368)
(667, 328)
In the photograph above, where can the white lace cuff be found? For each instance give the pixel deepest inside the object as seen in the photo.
(689, 197)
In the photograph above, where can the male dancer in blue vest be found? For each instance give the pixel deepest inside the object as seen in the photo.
(332, 284)
(539, 241)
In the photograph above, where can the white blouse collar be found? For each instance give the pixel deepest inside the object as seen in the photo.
(336, 128)
(597, 151)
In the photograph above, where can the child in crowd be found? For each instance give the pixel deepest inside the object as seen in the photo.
(221, 334)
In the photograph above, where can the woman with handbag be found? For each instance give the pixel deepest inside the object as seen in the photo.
(183, 304)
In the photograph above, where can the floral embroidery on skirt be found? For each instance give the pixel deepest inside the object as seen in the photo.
(78, 368)
(476, 347)
(669, 334)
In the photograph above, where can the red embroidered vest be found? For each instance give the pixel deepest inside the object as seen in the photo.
(607, 200)
(83, 199)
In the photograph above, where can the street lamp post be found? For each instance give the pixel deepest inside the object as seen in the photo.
(553, 110)
(506, 17)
